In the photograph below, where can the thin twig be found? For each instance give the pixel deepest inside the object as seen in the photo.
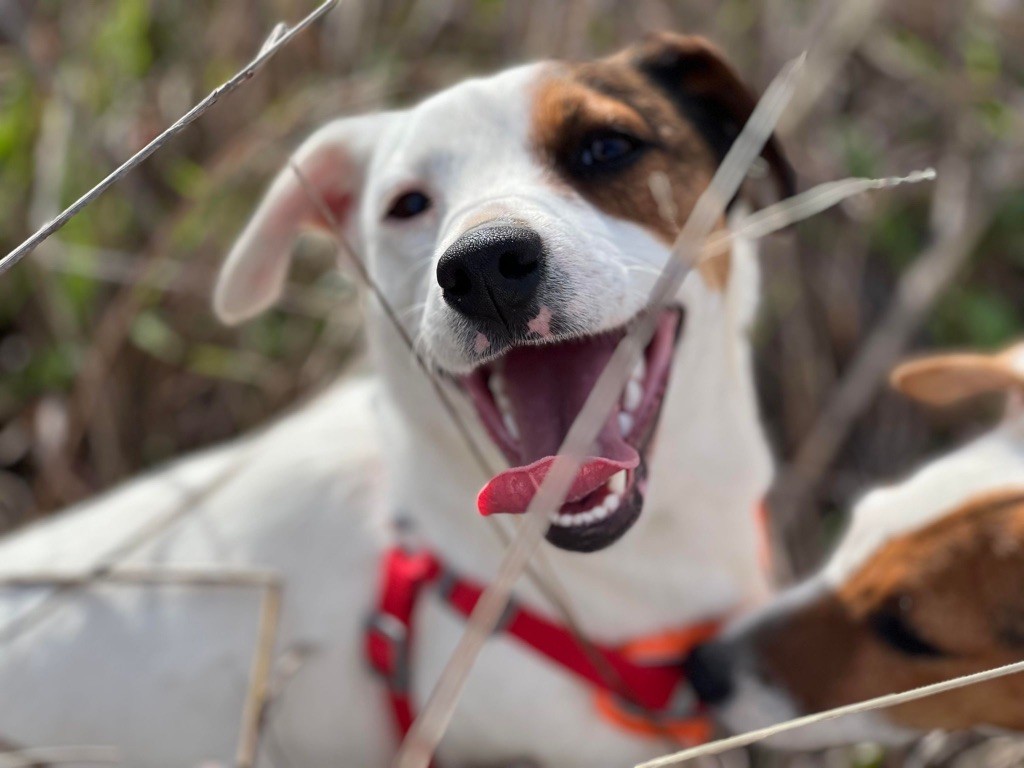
(880, 702)
(263, 655)
(803, 206)
(259, 678)
(543, 578)
(279, 38)
(136, 576)
(419, 745)
(106, 563)
(35, 757)
(324, 210)
(838, 29)
(960, 215)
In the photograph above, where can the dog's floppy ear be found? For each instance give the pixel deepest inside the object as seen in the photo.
(333, 162)
(947, 379)
(709, 91)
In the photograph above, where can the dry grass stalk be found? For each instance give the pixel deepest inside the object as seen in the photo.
(278, 39)
(428, 729)
(37, 757)
(257, 696)
(881, 702)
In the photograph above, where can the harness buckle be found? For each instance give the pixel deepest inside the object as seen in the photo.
(392, 664)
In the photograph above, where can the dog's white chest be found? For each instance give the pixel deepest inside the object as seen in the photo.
(518, 705)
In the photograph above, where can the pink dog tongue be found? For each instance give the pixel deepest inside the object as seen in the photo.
(547, 387)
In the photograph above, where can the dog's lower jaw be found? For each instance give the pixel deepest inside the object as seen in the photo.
(608, 531)
(694, 550)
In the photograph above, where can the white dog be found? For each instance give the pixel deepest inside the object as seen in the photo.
(517, 212)
(924, 587)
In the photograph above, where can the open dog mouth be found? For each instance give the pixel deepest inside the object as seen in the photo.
(530, 396)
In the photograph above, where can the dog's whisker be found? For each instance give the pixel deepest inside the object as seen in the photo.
(643, 269)
(419, 306)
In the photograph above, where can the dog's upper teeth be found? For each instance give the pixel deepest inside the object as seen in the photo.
(510, 424)
(496, 382)
(633, 395)
(625, 423)
(640, 371)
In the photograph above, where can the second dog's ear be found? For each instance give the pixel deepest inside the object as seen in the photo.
(709, 91)
(942, 380)
(333, 163)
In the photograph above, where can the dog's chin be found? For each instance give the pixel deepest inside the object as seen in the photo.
(528, 397)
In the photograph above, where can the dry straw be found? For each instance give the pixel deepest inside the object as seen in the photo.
(427, 731)
(278, 39)
(882, 702)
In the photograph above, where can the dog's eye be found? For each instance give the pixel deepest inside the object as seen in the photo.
(891, 627)
(606, 150)
(408, 205)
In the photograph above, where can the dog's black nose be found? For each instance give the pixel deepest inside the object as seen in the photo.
(492, 273)
(709, 670)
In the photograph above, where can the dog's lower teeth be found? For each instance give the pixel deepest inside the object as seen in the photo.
(497, 384)
(608, 505)
(625, 424)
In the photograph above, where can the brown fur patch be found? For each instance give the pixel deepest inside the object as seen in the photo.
(957, 585)
(569, 108)
(668, 93)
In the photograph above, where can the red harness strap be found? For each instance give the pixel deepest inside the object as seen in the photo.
(649, 695)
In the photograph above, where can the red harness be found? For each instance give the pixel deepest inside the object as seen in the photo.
(648, 695)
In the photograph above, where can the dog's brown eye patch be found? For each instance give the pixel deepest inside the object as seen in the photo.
(605, 132)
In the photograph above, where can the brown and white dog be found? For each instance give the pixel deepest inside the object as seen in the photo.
(926, 585)
(510, 223)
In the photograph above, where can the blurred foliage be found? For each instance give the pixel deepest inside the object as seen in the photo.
(110, 359)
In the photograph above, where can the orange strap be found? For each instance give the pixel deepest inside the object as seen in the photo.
(683, 723)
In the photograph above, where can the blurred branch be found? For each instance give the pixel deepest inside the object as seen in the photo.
(961, 213)
(838, 30)
(279, 38)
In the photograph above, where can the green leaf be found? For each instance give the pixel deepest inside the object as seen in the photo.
(151, 333)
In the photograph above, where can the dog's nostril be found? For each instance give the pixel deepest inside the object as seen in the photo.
(460, 284)
(517, 264)
(454, 280)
